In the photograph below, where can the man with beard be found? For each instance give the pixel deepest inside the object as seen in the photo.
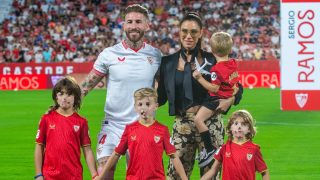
(128, 66)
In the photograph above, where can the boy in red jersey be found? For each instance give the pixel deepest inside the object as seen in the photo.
(145, 139)
(62, 131)
(240, 158)
(224, 80)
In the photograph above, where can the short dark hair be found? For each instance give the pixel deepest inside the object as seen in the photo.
(70, 85)
(136, 8)
(192, 16)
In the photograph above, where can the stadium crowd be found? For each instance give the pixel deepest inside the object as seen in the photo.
(69, 30)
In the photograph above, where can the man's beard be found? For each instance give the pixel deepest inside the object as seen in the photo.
(135, 38)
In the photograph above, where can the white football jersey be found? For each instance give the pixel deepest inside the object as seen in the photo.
(127, 70)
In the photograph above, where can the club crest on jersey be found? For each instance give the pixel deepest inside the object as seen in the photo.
(228, 154)
(121, 59)
(156, 139)
(76, 128)
(249, 156)
(52, 126)
(301, 99)
(150, 60)
(213, 76)
(133, 137)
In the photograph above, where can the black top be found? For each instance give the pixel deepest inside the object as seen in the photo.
(179, 93)
(169, 89)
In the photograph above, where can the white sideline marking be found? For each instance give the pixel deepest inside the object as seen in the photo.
(286, 124)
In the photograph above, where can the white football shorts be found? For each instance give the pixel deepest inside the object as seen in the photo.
(108, 138)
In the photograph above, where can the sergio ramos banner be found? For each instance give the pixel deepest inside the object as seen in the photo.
(300, 54)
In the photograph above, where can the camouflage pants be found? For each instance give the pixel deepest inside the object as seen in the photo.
(187, 141)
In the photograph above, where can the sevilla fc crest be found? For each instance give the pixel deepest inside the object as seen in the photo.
(76, 128)
(249, 157)
(156, 139)
(301, 99)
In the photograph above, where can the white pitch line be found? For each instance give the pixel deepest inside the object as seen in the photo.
(287, 124)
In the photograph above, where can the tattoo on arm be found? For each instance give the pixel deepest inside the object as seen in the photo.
(90, 82)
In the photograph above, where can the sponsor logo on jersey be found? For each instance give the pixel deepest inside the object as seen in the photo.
(301, 99)
(228, 154)
(76, 128)
(213, 76)
(38, 134)
(133, 137)
(249, 156)
(156, 139)
(150, 60)
(52, 126)
(121, 59)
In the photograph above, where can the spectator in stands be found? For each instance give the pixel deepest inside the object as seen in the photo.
(38, 57)
(55, 24)
(257, 53)
(2, 52)
(246, 55)
(47, 54)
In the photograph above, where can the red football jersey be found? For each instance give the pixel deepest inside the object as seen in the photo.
(225, 75)
(62, 137)
(240, 162)
(146, 146)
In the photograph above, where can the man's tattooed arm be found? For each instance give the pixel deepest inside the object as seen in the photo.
(90, 82)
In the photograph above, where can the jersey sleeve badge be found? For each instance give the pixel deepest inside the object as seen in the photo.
(213, 76)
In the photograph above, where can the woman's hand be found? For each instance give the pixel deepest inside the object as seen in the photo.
(196, 74)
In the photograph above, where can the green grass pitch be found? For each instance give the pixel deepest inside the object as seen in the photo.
(289, 140)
